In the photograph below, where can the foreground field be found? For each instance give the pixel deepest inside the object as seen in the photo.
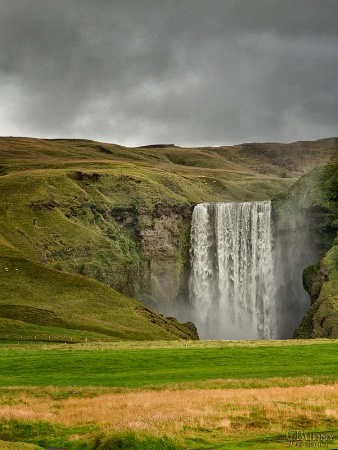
(170, 395)
(119, 366)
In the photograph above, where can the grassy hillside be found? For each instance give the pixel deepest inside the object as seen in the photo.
(45, 304)
(80, 220)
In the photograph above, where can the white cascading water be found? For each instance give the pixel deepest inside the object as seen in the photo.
(232, 288)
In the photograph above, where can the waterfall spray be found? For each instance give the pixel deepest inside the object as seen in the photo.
(232, 286)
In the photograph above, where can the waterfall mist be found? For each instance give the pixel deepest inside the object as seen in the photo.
(232, 281)
(297, 244)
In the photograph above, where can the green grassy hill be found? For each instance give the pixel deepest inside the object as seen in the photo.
(84, 226)
(45, 304)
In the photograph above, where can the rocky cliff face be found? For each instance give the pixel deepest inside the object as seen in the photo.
(164, 246)
(321, 282)
(163, 239)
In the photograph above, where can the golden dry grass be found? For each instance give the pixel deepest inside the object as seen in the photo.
(189, 412)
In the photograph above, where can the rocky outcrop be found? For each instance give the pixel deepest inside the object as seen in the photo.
(321, 282)
(164, 246)
(162, 234)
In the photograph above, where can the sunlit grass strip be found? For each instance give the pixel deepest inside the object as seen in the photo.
(136, 368)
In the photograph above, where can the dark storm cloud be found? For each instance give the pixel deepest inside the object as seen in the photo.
(185, 71)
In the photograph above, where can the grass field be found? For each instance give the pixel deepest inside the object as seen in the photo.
(139, 368)
(169, 395)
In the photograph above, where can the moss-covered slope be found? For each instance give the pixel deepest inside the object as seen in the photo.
(46, 304)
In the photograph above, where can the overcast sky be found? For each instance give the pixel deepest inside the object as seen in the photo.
(189, 72)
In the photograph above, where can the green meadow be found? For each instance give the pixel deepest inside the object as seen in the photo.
(141, 367)
(168, 395)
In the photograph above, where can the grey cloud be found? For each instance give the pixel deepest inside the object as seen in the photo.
(192, 72)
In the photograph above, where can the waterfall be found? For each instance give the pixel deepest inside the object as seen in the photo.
(232, 288)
